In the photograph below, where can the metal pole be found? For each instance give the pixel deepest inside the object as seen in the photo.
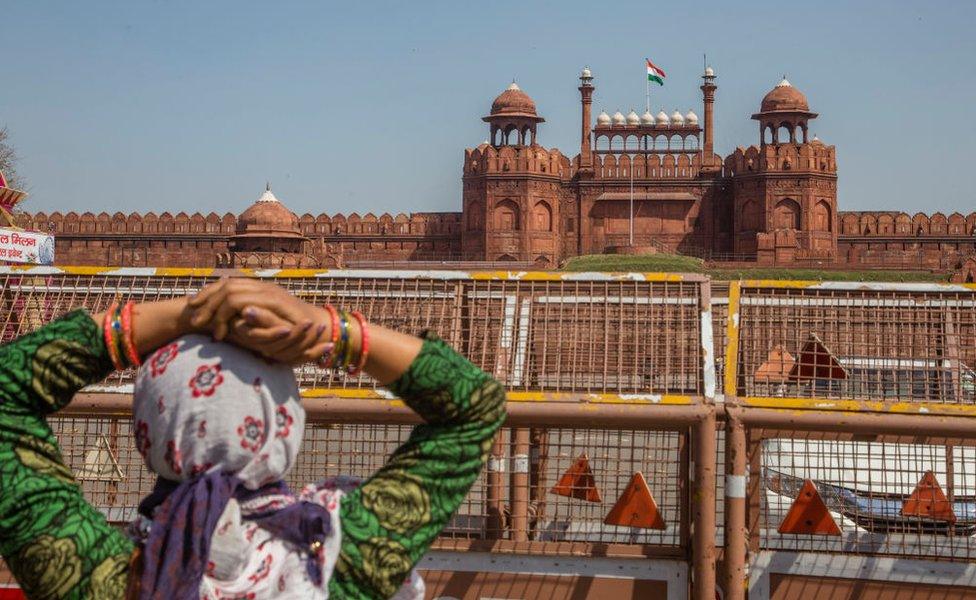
(877, 424)
(520, 485)
(574, 413)
(647, 93)
(736, 540)
(703, 541)
(494, 503)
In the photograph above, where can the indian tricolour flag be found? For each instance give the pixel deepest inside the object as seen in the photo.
(654, 73)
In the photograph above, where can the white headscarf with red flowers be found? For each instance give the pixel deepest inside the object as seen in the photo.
(202, 406)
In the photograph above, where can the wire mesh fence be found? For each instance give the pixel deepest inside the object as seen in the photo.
(555, 334)
(908, 343)
(577, 512)
(910, 500)
(101, 453)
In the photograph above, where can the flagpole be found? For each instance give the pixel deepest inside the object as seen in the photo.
(647, 93)
(647, 107)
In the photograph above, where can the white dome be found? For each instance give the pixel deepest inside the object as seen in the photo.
(662, 118)
(709, 72)
(514, 87)
(603, 118)
(618, 118)
(691, 118)
(677, 118)
(784, 83)
(586, 72)
(268, 195)
(632, 118)
(647, 118)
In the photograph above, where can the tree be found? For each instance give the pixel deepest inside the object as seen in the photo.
(8, 161)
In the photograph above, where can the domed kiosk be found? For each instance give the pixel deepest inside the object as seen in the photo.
(268, 235)
(513, 118)
(268, 218)
(784, 107)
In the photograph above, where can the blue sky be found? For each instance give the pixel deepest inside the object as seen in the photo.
(367, 106)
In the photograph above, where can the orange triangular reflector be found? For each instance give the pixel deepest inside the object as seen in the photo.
(816, 361)
(928, 500)
(578, 482)
(809, 514)
(777, 367)
(636, 507)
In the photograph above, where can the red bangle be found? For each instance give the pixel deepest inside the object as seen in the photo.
(110, 345)
(363, 344)
(334, 317)
(128, 343)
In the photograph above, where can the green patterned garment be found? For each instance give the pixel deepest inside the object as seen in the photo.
(59, 546)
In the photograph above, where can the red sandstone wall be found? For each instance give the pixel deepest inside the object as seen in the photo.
(890, 224)
(433, 223)
(902, 241)
(196, 240)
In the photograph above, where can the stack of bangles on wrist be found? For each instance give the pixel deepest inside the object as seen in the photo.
(117, 329)
(339, 354)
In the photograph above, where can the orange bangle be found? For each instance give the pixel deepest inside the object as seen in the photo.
(128, 342)
(363, 343)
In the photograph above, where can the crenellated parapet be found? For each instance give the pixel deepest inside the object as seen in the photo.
(815, 157)
(487, 159)
(415, 224)
(901, 224)
(212, 224)
(132, 223)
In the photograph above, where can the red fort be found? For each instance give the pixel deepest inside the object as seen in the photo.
(773, 203)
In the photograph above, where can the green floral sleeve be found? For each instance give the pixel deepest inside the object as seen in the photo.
(56, 544)
(391, 520)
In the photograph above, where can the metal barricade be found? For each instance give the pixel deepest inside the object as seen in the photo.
(615, 369)
(858, 396)
(849, 434)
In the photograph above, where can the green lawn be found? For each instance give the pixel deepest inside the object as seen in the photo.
(669, 263)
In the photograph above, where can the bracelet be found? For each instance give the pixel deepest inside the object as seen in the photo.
(363, 344)
(128, 341)
(330, 352)
(108, 329)
(343, 351)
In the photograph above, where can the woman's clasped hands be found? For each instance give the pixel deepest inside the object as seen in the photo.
(262, 317)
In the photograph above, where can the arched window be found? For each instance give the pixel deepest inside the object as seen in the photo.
(542, 217)
(506, 216)
(786, 215)
(783, 133)
(822, 216)
(749, 217)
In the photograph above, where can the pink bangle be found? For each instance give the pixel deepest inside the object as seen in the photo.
(334, 318)
(128, 343)
(363, 344)
(110, 345)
